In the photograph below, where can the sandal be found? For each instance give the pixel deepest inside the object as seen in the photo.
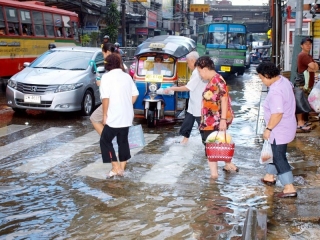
(111, 174)
(230, 170)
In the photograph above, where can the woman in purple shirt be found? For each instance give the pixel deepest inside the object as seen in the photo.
(279, 115)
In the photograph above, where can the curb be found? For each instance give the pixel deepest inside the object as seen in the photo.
(255, 225)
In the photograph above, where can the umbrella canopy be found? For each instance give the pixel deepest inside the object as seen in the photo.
(177, 46)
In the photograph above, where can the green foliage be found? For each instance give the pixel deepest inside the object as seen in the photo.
(94, 36)
(112, 19)
(85, 39)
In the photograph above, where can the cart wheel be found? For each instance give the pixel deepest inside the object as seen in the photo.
(151, 120)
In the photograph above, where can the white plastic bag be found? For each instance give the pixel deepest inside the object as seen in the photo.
(314, 98)
(266, 153)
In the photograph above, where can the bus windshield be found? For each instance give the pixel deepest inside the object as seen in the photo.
(230, 36)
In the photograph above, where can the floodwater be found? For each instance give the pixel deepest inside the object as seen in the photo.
(47, 191)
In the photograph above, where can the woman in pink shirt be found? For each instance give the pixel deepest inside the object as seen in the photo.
(279, 115)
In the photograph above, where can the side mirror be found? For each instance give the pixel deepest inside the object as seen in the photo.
(101, 69)
(26, 64)
(250, 38)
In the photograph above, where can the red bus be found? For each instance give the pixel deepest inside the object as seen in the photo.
(27, 29)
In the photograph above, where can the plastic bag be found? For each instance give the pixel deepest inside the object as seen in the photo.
(266, 153)
(314, 98)
(219, 137)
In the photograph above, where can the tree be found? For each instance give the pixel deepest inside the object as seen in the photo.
(85, 39)
(112, 20)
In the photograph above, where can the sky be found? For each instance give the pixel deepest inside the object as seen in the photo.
(249, 2)
(241, 2)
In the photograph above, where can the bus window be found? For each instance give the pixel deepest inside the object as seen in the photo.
(75, 31)
(2, 25)
(38, 23)
(49, 24)
(58, 25)
(67, 27)
(12, 19)
(26, 23)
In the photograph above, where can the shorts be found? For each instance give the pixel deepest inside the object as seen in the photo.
(97, 115)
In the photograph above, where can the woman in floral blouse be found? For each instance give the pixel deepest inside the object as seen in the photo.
(216, 112)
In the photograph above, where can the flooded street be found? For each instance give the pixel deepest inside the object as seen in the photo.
(53, 186)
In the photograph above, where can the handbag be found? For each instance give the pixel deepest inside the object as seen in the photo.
(220, 151)
(302, 104)
(299, 80)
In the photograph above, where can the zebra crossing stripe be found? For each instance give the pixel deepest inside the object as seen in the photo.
(56, 156)
(170, 166)
(30, 141)
(98, 169)
(4, 131)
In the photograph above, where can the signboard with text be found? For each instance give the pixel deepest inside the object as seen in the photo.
(199, 7)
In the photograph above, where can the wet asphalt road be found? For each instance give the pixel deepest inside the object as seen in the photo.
(52, 182)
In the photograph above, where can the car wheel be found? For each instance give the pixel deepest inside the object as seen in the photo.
(87, 103)
(19, 110)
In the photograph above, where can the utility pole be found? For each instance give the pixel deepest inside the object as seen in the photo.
(297, 39)
(276, 31)
(123, 22)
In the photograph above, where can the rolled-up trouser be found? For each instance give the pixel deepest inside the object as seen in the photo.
(107, 150)
(187, 124)
(280, 165)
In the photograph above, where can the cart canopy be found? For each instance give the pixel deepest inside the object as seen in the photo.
(176, 46)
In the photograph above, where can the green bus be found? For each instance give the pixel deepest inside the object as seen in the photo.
(226, 44)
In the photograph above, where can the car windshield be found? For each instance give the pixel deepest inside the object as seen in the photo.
(160, 67)
(65, 60)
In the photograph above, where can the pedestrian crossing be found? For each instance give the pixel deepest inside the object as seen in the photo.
(166, 170)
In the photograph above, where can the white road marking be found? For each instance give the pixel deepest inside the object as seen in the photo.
(30, 141)
(60, 154)
(98, 169)
(170, 166)
(11, 129)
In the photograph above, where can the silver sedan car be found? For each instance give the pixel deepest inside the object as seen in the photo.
(61, 79)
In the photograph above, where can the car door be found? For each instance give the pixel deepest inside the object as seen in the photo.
(99, 61)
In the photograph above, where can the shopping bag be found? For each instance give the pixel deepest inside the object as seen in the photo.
(302, 104)
(135, 138)
(266, 153)
(314, 98)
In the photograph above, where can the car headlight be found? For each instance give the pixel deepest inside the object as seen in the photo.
(12, 83)
(153, 87)
(239, 61)
(68, 87)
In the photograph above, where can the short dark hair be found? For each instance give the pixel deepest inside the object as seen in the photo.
(203, 62)
(108, 47)
(112, 62)
(306, 39)
(268, 70)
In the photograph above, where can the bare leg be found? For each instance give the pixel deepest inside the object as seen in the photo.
(115, 167)
(213, 169)
(98, 126)
(289, 188)
(122, 167)
(185, 140)
(230, 166)
(269, 177)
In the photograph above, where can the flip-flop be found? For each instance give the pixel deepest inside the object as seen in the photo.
(230, 170)
(306, 124)
(303, 129)
(313, 118)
